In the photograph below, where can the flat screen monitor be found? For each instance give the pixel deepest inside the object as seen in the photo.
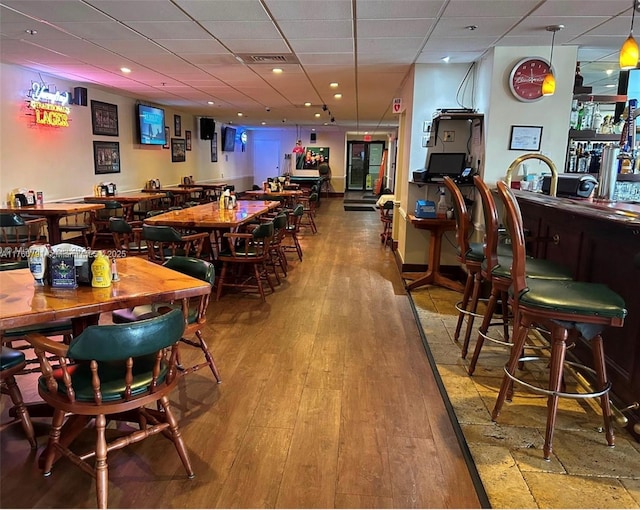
(446, 163)
(228, 139)
(150, 125)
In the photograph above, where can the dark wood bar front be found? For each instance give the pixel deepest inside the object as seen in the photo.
(600, 241)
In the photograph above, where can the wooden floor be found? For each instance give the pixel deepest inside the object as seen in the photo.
(327, 401)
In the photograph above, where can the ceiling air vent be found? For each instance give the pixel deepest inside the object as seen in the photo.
(267, 58)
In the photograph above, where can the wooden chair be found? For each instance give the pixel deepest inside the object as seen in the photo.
(77, 224)
(166, 242)
(310, 204)
(244, 258)
(127, 236)
(18, 233)
(386, 217)
(277, 257)
(194, 310)
(565, 308)
(100, 219)
(496, 269)
(291, 231)
(111, 371)
(13, 362)
(471, 256)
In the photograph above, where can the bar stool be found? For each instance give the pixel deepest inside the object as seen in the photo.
(496, 269)
(471, 256)
(564, 307)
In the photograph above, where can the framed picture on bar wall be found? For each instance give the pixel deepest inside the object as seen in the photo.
(187, 139)
(106, 157)
(104, 118)
(214, 148)
(167, 138)
(178, 150)
(525, 138)
(177, 125)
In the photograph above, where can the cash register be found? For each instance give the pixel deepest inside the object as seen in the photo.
(443, 164)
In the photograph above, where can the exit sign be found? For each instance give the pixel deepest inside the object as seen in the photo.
(367, 138)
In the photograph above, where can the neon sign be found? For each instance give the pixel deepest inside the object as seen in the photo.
(50, 107)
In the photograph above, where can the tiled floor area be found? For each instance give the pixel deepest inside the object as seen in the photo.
(583, 472)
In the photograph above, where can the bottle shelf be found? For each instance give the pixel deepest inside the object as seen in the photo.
(591, 135)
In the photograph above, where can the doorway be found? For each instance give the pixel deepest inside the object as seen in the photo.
(363, 164)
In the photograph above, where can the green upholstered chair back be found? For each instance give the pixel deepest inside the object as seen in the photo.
(119, 225)
(263, 231)
(11, 220)
(161, 234)
(298, 210)
(196, 268)
(280, 221)
(117, 342)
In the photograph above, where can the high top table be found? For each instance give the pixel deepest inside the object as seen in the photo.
(53, 212)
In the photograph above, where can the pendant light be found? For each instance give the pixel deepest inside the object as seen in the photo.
(549, 82)
(629, 50)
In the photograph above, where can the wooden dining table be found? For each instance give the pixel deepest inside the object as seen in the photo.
(210, 216)
(53, 212)
(130, 199)
(180, 192)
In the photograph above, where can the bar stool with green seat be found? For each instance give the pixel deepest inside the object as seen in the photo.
(565, 308)
(13, 362)
(496, 269)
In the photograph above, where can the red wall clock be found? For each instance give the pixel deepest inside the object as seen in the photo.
(525, 80)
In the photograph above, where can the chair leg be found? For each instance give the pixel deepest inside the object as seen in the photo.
(21, 410)
(601, 372)
(54, 438)
(558, 351)
(176, 436)
(221, 278)
(473, 308)
(504, 299)
(259, 282)
(468, 287)
(486, 321)
(102, 472)
(208, 357)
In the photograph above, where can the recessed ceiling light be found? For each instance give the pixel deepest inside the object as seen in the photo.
(317, 115)
(471, 27)
(338, 96)
(333, 85)
(610, 86)
(125, 69)
(609, 72)
(30, 31)
(239, 114)
(263, 123)
(446, 59)
(307, 103)
(276, 70)
(210, 102)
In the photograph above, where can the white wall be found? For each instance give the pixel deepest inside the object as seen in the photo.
(59, 161)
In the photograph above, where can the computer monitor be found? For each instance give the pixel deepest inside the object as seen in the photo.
(446, 163)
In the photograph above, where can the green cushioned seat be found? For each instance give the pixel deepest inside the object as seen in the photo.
(10, 358)
(536, 268)
(579, 298)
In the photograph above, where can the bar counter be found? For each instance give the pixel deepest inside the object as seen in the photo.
(600, 241)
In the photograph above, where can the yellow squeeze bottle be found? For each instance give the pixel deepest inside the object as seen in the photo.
(101, 271)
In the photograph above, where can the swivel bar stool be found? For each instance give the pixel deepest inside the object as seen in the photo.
(565, 308)
(496, 268)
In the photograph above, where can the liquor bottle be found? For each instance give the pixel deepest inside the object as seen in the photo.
(573, 122)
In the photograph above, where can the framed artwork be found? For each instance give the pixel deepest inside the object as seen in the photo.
(178, 150)
(106, 157)
(187, 140)
(311, 158)
(177, 125)
(167, 137)
(214, 148)
(525, 138)
(104, 118)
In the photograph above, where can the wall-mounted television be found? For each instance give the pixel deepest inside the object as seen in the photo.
(150, 125)
(228, 139)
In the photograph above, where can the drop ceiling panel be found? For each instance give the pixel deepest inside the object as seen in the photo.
(227, 10)
(302, 46)
(59, 10)
(193, 47)
(401, 9)
(170, 30)
(309, 10)
(592, 7)
(490, 8)
(257, 46)
(96, 31)
(242, 29)
(140, 10)
(318, 29)
(394, 28)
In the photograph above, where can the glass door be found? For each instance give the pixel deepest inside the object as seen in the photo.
(363, 165)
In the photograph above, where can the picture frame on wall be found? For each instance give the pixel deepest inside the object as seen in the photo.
(214, 148)
(178, 150)
(104, 118)
(525, 138)
(167, 138)
(106, 157)
(177, 125)
(187, 140)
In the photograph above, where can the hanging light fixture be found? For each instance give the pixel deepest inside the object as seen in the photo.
(549, 82)
(629, 50)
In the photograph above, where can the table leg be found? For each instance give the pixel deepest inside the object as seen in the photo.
(53, 228)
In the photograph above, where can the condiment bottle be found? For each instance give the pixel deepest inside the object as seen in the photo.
(101, 271)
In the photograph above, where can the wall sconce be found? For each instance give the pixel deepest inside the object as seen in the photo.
(549, 82)
(629, 50)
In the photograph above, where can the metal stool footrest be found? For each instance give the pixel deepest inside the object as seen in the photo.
(544, 391)
(477, 315)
